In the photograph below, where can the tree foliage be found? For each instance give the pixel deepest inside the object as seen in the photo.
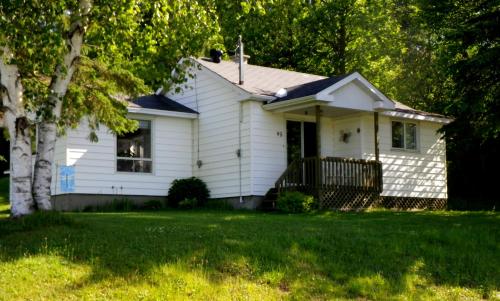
(62, 61)
(130, 48)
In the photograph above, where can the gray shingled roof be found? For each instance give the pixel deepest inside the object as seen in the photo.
(159, 102)
(259, 80)
(406, 109)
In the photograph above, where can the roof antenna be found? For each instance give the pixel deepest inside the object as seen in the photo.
(240, 48)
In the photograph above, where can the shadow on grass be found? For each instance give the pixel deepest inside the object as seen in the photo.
(366, 254)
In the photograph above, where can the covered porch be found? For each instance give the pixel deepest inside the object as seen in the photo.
(338, 182)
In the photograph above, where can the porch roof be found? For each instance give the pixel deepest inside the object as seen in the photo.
(310, 88)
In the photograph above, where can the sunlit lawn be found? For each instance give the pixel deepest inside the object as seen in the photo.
(249, 255)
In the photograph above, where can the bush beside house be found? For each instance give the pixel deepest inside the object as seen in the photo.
(188, 193)
(295, 202)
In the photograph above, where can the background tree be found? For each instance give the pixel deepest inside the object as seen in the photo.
(328, 37)
(469, 52)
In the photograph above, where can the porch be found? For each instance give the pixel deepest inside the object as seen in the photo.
(338, 183)
(334, 170)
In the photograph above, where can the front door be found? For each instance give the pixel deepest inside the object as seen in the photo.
(300, 139)
(310, 144)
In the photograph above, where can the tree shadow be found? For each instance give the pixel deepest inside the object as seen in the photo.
(365, 253)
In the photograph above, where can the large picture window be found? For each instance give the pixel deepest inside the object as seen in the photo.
(133, 150)
(404, 135)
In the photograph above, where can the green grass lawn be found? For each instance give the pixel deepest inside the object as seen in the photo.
(205, 255)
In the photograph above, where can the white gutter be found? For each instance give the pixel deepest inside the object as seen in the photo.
(162, 113)
(259, 97)
(290, 103)
(436, 119)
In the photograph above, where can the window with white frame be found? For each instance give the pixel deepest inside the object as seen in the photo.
(404, 135)
(133, 150)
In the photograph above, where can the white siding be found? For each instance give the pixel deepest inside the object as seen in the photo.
(268, 148)
(351, 96)
(216, 134)
(351, 148)
(95, 163)
(327, 137)
(59, 160)
(409, 174)
(269, 157)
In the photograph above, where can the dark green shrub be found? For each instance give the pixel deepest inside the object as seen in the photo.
(189, 188)
(295, 202)
(188, 203)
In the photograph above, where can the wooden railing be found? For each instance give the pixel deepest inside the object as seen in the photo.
(309, 175)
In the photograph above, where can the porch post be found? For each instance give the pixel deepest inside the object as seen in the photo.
(318, 132)
(375, 130)
(318, 154)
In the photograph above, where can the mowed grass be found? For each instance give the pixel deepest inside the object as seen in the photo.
(203, 255)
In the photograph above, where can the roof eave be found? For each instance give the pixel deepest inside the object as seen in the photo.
(290, 103)
(416, 116)
(162, 113)
(260, 97)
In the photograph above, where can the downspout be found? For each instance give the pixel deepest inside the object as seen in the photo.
(240, 121)
(199, 163)
(238, 153)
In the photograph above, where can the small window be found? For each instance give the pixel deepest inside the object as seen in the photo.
(404, 135)
(133, 150)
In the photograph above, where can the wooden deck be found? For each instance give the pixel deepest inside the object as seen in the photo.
(338, 183)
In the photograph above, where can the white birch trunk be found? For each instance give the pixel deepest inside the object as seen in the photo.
(43, 165)
(47, 129)
(14, 118)
(21, 169)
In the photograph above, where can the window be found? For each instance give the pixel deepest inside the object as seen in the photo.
(133, 150)
(404, 135)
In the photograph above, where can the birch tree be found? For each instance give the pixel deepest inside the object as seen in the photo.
(62, 61)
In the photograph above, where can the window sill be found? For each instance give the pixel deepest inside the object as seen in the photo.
(134, 173)
(404, 150)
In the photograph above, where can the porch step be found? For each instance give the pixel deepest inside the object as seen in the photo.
(268, 204)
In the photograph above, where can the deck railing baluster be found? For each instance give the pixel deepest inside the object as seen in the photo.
(308, 175)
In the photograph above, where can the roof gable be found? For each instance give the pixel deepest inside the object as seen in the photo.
(355, 92)
(351, 91)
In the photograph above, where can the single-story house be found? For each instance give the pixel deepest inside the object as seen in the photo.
(257, 131)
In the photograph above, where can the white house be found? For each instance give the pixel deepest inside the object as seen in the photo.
(246, 133)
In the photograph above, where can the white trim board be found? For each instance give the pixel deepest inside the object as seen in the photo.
(415, 116)
(162, 113)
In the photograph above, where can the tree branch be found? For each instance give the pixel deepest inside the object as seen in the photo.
(65, 71)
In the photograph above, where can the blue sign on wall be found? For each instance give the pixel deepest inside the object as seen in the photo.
(67, 178)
